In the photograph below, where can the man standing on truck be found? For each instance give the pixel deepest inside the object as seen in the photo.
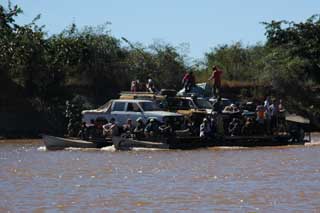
(188, 81)
(216, 77)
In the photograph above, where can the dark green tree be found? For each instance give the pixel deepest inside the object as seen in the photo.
(300, 40)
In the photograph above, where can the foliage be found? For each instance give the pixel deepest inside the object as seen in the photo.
(301, 40)
(93, 64)
(88, 62)
(291, 53)
(239, 63)
(288, 62)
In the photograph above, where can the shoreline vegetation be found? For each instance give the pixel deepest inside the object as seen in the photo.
(39, 73)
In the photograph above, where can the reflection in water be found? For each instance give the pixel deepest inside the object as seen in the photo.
(273, 179)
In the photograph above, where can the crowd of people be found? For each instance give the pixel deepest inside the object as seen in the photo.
(267, 119)
(101, 128)
(230, 120)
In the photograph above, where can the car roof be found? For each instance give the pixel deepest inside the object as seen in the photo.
(131, 100)
(223, 100)
(181, 98)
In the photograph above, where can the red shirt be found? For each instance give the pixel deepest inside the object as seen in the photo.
(216, 75)
(189, 78)
(186, 77)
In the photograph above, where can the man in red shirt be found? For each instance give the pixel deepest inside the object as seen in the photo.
(188, 81)
(216, 76)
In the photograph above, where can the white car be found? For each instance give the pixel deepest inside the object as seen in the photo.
(122, 110)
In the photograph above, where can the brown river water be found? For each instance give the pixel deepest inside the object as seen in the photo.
(278, 179)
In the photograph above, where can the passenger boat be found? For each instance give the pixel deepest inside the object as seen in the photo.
(59, 143)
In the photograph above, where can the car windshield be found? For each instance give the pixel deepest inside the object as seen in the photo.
(224, 102)
(203, 104)
(149, 106)
(105, 106)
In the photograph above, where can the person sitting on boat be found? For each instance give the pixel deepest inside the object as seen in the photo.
(91, 127)
(111, 129)
(282, 124)
(297, 133)
(133, 86)
(260, 117)
(188, 126)
(213, 124)
(248, 127)
(152, 128)
(217, 106)
(136, 86)
(166, 129)
(128, 127)
(267, 113)
(281, 107)
(141, 87)
(220, 124)
(139, 130)
(99, 122)
(106, 128)
(234, 127)
(83, 133)
(150, 86)
(205, 129)
(274, 112)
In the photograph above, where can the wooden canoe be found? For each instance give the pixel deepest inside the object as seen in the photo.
(59, 143)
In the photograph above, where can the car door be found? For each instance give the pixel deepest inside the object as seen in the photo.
(133, 111)
(118, 112)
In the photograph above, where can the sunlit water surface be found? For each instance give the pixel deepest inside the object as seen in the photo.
(278, 179)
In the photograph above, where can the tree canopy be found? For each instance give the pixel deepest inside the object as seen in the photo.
(92, 64)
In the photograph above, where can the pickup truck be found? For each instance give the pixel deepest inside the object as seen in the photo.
(122, 110)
